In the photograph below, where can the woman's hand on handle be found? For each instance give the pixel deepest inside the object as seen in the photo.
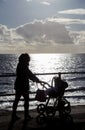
(43, 83)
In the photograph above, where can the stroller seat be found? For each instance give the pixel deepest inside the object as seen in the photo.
(58, 89)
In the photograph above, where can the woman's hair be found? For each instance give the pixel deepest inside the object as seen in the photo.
(24, 57)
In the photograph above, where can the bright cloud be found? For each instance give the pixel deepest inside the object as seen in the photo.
(28, 0)
(45, 3)
(78, 37)
(67, 21)
(73, 11)
(8, 35)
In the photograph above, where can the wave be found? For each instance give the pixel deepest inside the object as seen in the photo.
(76, 96)
(6, 83)
(1, 93)
(75, 89)
(76, 78)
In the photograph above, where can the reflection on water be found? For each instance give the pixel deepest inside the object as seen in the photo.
(57, 62)
(46, 63)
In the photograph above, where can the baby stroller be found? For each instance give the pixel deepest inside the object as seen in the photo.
(61, 105)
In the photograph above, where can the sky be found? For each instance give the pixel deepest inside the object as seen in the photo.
(42, 26)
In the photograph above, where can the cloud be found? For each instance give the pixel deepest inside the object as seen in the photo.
(35, 36)
(66, 21)
(46, 3)
(44, 32)
(8, 35)
(78, 37)
(48, 35)
(73, 11)
(77, 34)
(18, 49)
(28, 0)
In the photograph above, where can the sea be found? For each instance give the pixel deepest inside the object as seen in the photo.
(71, 67)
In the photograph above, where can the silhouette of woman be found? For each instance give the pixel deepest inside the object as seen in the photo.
(21, 86)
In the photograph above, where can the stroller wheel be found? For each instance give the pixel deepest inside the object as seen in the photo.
(41, 119)
(50, 111)
(64, 108)
(41, 108)
(67, 108)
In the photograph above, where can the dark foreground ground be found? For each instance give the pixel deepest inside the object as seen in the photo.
(77, 114)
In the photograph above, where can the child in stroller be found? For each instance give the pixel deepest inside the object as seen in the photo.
(55, 92)
(57, 88)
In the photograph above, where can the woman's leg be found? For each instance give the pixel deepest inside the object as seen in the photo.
(17, 98)
(26, 104)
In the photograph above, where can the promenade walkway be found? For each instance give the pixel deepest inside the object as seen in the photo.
(77, 113)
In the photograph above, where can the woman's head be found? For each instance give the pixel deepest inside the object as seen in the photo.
(24, 58)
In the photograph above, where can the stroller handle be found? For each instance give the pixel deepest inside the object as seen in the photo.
(43, 83)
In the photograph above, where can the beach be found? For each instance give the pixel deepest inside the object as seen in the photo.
(77, 114)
